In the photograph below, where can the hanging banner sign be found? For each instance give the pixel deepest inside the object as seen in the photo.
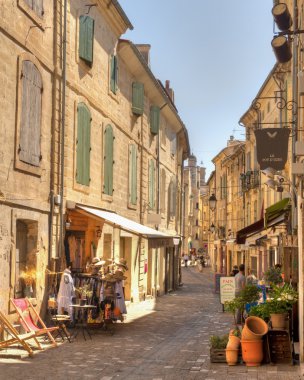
(272, 147)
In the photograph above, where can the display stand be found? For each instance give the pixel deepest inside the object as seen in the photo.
(82, 319)
(280, 347)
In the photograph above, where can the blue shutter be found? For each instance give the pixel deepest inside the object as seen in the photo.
(108, 161)
(86, 38)
(154, 119)
(137, 98)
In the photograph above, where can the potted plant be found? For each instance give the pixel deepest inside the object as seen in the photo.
(273, 276)
(261, 310)
(280, 303)
(28, 277)
(217, 348)
(85, 294)
(249, 295)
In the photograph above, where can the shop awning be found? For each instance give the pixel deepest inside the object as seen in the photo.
(256, 238)
(125, 224)
(276, 213)
(252, 229)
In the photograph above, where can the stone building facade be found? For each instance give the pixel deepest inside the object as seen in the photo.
(26, 120)
(106, 137)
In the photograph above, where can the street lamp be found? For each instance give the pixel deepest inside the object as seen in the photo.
(212, 228)
(212, 202)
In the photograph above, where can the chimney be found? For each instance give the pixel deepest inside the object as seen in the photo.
(231, 141)
(169, 91)
(144, 49)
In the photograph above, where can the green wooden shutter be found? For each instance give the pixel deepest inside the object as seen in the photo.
(137, 98)
(151, 184)
(83, 148)
(114, 74)
(154, 119)
(172, 198)
(132, 174)
(30, 124)
(86, 38)
(108, 161)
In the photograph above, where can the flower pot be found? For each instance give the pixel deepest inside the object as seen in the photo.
(278, 321)
(254, 328)
(232, 356)
(83, 301)
(252, 352)
(233, 342)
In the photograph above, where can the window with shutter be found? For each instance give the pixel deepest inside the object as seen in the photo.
(163, 191)
(173, 144)
(137, 98)
(154, 119)
(86, 38)
(30, 121)
(172, 198)
(83, 147)
(132, 174)
(108, 161)
(36, 6)
(151, 185)
(113, 74)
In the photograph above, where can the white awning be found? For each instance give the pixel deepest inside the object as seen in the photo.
(124, 223)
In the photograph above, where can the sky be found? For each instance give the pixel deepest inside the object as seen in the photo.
(216, 54)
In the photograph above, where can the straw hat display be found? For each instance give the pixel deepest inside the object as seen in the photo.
(118, 275)
(121, 263)
(109, 278)
(98, 262)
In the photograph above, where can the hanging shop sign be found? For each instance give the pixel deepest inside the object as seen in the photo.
(272, 147)
(227, 289)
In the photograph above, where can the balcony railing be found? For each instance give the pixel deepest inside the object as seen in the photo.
(250, 180)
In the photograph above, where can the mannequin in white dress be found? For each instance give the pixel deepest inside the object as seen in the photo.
(66, 293)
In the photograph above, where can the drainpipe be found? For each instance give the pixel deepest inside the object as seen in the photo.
(64, 42)
(157, 210)
(51, 226)
(181, 224)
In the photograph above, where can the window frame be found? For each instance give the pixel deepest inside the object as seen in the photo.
(39, 21)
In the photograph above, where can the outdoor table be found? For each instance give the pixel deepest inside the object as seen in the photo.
(81, 319)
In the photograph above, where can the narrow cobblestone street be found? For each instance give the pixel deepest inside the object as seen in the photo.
(168, 341)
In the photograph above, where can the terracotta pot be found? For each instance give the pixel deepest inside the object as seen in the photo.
(252, 352)
(278, 321)
(233, 342)
(254, 328)
(232, 356)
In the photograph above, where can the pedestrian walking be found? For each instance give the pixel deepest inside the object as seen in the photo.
(240, 282)
(234, 271)
(186, 259)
